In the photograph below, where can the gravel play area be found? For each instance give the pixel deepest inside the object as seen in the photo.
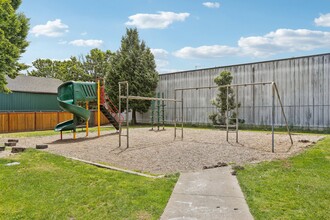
(159, 153)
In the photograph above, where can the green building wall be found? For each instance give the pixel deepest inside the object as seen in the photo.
(22, 101)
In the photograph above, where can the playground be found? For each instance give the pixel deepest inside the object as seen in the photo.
(161, 151)
(157, 152)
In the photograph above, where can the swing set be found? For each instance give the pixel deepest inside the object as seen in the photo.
(178, 118)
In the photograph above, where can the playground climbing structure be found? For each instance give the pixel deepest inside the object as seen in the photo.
(72, 96)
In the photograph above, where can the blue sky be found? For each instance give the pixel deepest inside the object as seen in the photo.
(182, 34)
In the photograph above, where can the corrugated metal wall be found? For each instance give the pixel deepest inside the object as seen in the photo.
(303, 84)
(20, 101)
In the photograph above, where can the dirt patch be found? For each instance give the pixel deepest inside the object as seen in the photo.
(5, 153)
(159, 153)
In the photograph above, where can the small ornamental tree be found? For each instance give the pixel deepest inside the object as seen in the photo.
(220, 102)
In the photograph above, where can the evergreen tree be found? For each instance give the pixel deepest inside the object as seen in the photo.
(134, 63)
(220, 102)
(13, 32)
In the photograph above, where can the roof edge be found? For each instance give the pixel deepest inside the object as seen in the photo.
(241, 64)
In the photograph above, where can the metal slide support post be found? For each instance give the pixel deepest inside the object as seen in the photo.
(174, 115)
(127, 121)
(181, 114)
(119, 111)
(87, 120)
(273, 117)
(227, 121)
(236, 114)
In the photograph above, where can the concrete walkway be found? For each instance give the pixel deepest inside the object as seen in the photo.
(208, 194)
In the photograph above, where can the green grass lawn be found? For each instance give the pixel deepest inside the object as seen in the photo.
(294, 188)
(47, 186)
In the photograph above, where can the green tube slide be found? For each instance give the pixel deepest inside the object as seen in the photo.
(69, 94)
(77, 111)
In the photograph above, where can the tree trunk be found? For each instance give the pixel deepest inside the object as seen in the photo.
(133, 117)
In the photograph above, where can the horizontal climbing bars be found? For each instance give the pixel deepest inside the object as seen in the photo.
(225, 86)
(148, 98)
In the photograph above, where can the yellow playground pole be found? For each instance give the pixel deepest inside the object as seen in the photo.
(74, 135)
(98, 108)
(87, 120)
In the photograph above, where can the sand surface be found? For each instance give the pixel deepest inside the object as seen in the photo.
(159, 153)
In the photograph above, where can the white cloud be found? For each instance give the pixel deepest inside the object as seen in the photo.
(279, 41)
(284, 40)
(159, 53)
(213, 51)
(161, 56)
(211, 4)
(86, 43)
(51, 29)
(83, 33)
(158, 21)
(161, 63)
(323, 20)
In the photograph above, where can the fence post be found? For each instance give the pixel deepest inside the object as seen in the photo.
(35, 121)
(8, 127)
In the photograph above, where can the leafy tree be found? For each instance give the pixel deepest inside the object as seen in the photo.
(66, 70)
(97, 63)
(44, 68)
(220, 102)
(135, 63)
(73, 69)
(90, 67)
(13, 31)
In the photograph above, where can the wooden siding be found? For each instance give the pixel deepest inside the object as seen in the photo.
(46, 120)
(4, 122)
(303, 85)
(31, 121)
(21, 122)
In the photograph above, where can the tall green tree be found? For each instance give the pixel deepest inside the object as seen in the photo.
(14, 28)
(220, 102)
(135, 63)
(97, 63)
